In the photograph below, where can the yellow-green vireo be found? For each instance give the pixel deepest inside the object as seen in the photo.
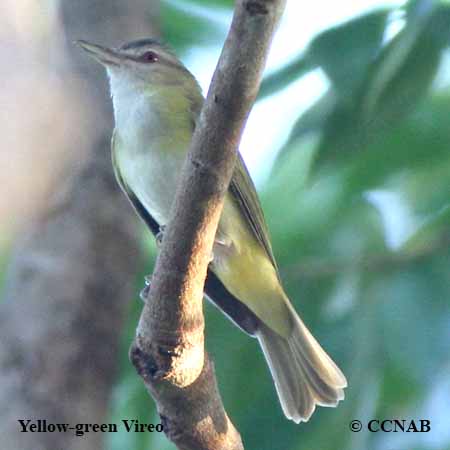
(156, 104)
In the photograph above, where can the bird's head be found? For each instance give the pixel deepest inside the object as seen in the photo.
(146, 67)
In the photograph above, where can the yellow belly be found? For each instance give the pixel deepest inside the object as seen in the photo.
(246, 271)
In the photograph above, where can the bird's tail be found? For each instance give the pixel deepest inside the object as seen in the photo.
(304, 375)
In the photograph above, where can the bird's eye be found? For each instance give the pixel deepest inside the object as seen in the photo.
(149, 57)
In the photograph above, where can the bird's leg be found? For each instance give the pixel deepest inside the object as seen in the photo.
(159, 236)
(222, 242)
(144, 292)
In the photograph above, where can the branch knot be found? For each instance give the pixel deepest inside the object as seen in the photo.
(176, 360)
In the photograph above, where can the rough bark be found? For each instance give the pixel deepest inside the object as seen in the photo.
(169, 348)
(72, 270)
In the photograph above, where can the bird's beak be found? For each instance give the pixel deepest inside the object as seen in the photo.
(104, 55)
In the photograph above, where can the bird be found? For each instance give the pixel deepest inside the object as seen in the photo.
(156, 103)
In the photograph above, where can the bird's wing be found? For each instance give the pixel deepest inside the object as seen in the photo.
(138, 206)
(244, 193)
(215, 290)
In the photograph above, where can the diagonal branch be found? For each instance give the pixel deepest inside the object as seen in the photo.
(169, 348)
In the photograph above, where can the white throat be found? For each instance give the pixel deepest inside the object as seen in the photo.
(129, 101)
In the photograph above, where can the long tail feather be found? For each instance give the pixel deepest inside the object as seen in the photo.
(304, 375)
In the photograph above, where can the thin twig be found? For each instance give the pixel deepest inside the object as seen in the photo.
(375, 262)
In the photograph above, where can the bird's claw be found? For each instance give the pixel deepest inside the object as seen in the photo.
(144, 292)
(159, 236)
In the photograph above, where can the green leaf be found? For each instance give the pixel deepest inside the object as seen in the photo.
(404, 68)
(419, 143)
(396, 82)
(314, 118)
(183, 29)
(345, 51)
(281, 78)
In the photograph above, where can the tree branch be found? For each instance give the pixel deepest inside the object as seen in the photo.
(169, 348)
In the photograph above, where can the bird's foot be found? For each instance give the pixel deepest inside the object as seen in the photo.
(159, 236)
(220, 245)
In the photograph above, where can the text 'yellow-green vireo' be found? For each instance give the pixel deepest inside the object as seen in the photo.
(156, 104)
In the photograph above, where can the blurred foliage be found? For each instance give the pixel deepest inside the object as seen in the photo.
(186, 24)
(359, 210)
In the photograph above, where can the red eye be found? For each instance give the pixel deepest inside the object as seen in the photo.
(149, 57)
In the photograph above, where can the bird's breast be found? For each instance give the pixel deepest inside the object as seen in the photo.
(150, 164)
(151, 141)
